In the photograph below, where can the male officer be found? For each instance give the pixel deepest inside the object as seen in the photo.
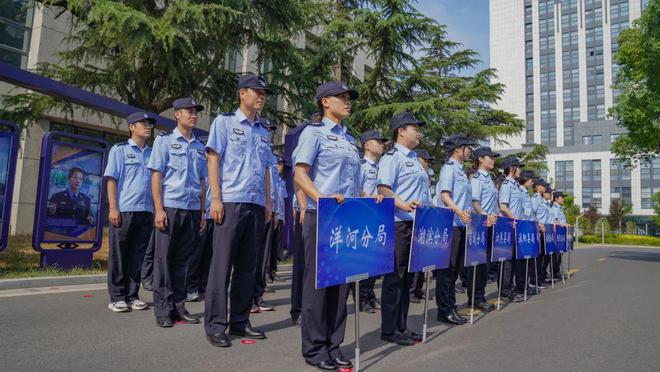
(276, 252)
(401, 176)
(178, 171)
(559, 218)
(511, 200)
(417, 280)
(239, 154)
(373, 146)
(71, 203)
(541, 211)
(454, 192)
(131, 213)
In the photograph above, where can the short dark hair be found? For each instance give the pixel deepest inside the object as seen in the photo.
(395, 133)
(508, 170)
(75, 170)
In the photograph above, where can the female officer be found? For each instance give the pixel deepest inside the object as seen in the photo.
(326, 164)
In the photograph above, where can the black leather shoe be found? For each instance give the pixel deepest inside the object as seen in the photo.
(187, 318)
(417, 337)
(164, 322)
(324, 365)
(366, 307)
(297, 322)
(519, 297)
(399, 339)
(483, 306)
(452, 319)
(147, 287)
(219, 340)
(375, 303)
(459, 290)
(248, 332)
(414, 299)
(342, 362)
(459, 316)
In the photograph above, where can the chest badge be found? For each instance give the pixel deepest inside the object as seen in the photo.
(238, 131)
(331, 137)
(130, 156)
(263, 139)
(409, 164)
(175, 146)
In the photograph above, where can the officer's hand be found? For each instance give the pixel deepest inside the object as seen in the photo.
(202, 224)
(491, 220)
(542, 227)
(269, 213)
(115, 217)
(160, 220)
(217, 211)
(379, 198)
(302, 217)
(276, 220)
(464, 216)
(339, 198)
(90, 219)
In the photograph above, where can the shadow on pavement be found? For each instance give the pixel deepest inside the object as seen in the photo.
(636, 256)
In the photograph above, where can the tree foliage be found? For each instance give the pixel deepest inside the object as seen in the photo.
(618, 210)
(637, 108)
(592, 216)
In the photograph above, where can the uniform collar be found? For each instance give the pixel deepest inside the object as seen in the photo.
(333, 127)
(369, 161)
(71, 193)
(510, 179)
(406, 151)
(132, 143)
(178, 134)
(244, 119)
(483, 173)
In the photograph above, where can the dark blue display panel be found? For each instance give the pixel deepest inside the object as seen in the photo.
(550, 246)
(476, 242)
(354, 240)
(527, 241)
(503, 235)
(8, 154)
(570, 236)
(561, 239)
(430, 246)
(69, 216)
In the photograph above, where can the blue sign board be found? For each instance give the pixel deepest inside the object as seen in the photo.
(549, 239)
(561, 239)
(527, 239)
(476, 242)
(570, 236)
(354, 240)
(8, 154)
(503, 235)
(430, 246)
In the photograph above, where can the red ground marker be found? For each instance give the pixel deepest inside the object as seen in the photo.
(88, 296)
(248, 342)
(345, 369)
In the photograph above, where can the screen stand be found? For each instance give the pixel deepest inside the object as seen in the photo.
(66, 258)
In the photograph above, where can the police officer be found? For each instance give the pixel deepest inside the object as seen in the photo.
(484, 201)
(131, 213)
(559, 218)
(278, 217)
(239, 154)
(178, 171)
(417, 280)
(401, 176)
(525, 182)
(453, 191)
(541, 211)
(71, 203)
(327, 164)
(547, 198)
(373, 146)
(511, 205)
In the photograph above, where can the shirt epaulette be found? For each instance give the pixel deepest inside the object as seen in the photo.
(165, 133)
(121, 143)
(449, 163)
(316, 124)
(227, 113)
(476, 175)
(363, 161)
(391, 151)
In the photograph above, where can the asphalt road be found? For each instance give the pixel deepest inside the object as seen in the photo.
(605, 318)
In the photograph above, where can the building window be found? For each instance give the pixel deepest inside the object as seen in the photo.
(614, 137)
(592, 140)
(620, 181)
(591, 189)
(15, 30)
(650, 182)
(564, 176)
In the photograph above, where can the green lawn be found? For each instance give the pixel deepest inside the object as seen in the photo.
(623, 239)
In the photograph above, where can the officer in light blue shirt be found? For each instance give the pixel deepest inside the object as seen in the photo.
(239, 154)
(178, 171)
(400, 175)
(453, 191)
(541, 211)
(131, 213)
(511, 205)
(417, 282)
(373, 147)
(525, 182)
(327, 163)
(559, 217)
(484, 201)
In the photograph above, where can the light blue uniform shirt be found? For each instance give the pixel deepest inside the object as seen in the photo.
(333, 158)
(528, 213)
(511, 195)
(558, 214)
(541, 209)
(274, 186)
(485, 192)
(400, 170)
(245, 154)
(183, 165)
(282, 194)
(454, 180)
(369, 176)
(127, 164)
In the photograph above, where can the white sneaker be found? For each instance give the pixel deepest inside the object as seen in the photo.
(138, 304)
(119, 307)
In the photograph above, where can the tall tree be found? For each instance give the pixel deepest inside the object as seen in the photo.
(637, 108)
(618, 210)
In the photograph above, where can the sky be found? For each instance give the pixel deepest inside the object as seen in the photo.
(466, 21)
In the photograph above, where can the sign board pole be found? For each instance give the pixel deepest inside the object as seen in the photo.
(569, 264)
(474, 279)
(357, 325)
(526, 275)
(499, 287)
(561, 268)
(427, 278)
(536, 275)
(552, 271)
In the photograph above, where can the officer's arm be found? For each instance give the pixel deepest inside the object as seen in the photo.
(388, 193)
(213, 161)
(268, 199)
(504, 208)
(305, 184)
(476, 205)
(157, 189)
(446, 198)
(301, 198)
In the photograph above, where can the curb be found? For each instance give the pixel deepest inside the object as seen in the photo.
(65, 280)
